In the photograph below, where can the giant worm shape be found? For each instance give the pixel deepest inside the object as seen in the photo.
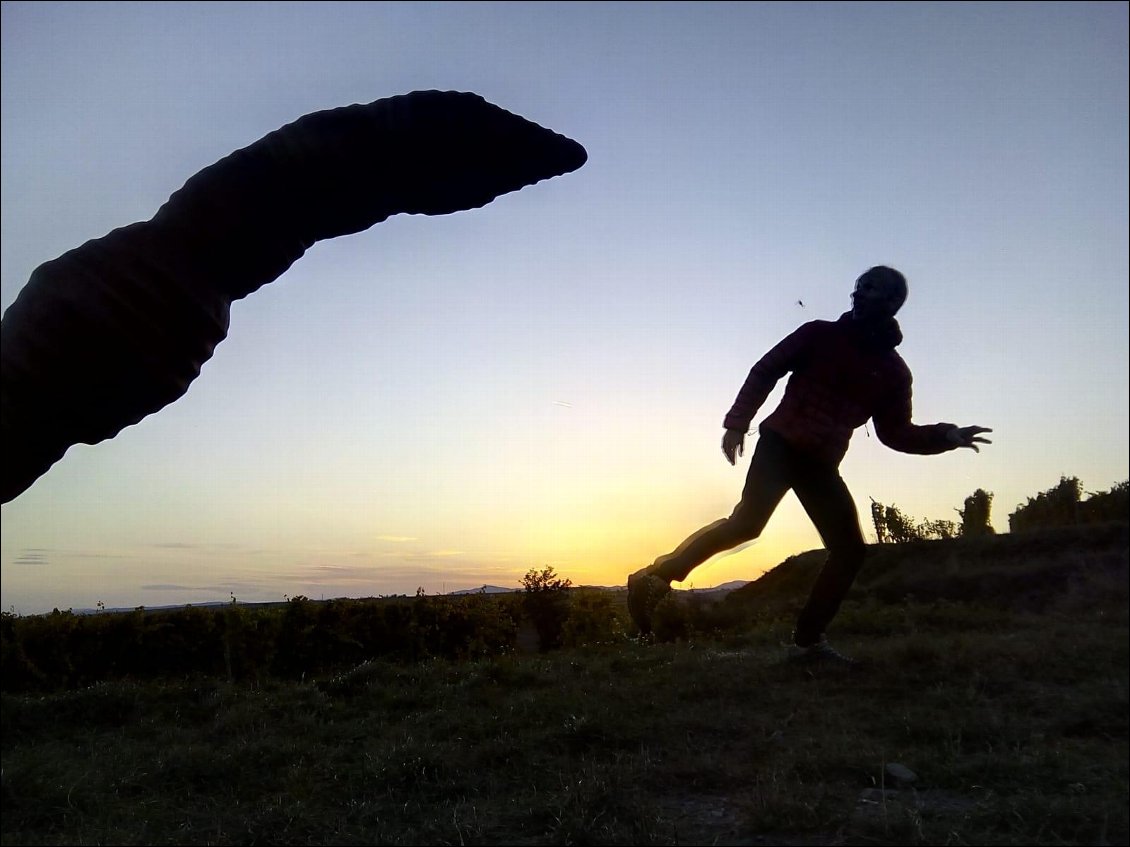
(116, 329)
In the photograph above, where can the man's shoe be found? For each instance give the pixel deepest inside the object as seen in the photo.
(645, 590)
(823, 653)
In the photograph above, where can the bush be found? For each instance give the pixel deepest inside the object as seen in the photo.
(1063, 506)
(975, 518)
(893, 527)
(594, 618)
(546, 601)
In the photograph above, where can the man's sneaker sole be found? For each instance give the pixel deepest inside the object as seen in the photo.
(822, 653)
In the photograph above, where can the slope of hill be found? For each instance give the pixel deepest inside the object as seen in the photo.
(1082, 566)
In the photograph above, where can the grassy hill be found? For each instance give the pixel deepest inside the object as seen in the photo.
(992, 710)
(1031, 571)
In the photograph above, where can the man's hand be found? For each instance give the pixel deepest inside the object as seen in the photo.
(967, 436)
(733, 444)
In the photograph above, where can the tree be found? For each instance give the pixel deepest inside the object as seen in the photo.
(1058, 506)
(546, 601)
(1104, 506)
(975, 515)
(1062, 506)
(938, 529)
(892, 526)
(879, 519)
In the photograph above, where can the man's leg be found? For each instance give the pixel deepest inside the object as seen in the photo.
(766, 483)
(826, 498)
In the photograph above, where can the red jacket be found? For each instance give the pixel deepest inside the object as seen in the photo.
(842, 375)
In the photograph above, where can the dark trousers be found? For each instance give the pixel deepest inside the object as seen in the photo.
(776, 466)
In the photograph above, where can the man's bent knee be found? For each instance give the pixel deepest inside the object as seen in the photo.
(743, 526)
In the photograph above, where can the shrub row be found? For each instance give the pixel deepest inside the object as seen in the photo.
(301, 638)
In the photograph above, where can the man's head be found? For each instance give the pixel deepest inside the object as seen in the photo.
(879, 293)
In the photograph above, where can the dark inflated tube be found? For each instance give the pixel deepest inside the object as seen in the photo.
(116, 329)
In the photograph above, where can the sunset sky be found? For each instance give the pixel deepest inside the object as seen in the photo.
(445, 402)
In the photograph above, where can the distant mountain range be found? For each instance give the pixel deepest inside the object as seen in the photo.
(486, 589)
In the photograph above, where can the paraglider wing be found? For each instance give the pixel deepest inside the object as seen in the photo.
(116, 329)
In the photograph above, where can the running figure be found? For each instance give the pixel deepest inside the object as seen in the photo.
(844, 372)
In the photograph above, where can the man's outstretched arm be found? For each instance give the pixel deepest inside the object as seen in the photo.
(895, 429)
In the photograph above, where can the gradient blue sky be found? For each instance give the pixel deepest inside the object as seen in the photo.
(446, 402)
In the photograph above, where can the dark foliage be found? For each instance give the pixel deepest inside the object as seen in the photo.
(1062, 506)
(546, 601)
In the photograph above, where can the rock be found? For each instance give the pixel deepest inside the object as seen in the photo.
(901, 774)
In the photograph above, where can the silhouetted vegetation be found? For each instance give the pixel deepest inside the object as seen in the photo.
(301, 639)
(547, 603)
(975, 517)
(1058, 506)
(893, 527)
(1063, 505)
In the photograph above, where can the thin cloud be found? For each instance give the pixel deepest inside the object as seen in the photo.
(31, 557)
(431, 555)
(160, 586)
(181, 545)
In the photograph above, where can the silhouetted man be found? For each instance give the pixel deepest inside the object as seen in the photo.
(844, 372)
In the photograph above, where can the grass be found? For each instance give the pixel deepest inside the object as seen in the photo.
(1014, 721)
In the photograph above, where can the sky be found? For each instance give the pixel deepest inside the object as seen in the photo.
(446, 402)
